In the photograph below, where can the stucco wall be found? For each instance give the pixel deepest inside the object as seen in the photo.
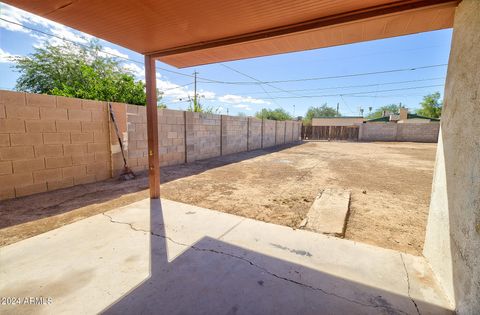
(388, 131)
(452, 244)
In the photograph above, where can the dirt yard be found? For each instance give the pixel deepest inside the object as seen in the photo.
(390, 185)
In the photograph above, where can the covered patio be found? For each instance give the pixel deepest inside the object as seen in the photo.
(164, 257)
(157, 256)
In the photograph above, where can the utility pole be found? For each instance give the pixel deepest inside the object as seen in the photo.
(195, 88)
(294, 111)
(338, 105)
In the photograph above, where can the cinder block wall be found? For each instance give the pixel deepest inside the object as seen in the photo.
(399, 132)
(234, 134)
(297, 131)
(254, 133)
(171, 136)
(203, 136)
(269, 132)
(378, 132)
(418, 132)
(289, 131)
(51, 142)
(135, 143)
(280, 127)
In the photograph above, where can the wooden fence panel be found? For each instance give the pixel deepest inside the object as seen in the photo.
(331, 133)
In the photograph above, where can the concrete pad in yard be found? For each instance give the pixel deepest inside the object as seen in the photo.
(164, 257)
(328, 212)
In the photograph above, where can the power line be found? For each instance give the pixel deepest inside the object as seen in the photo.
(249, 76)
(350, 86)
(355, 93)
(328, 77)
(177, 87)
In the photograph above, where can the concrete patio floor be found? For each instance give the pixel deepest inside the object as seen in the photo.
(165, 257)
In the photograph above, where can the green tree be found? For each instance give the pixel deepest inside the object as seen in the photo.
(273, 114)
(317, 112)
(77, 71)
(196, 107)
(392, 108)
(431, 106)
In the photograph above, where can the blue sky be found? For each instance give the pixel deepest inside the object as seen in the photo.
(351, 93)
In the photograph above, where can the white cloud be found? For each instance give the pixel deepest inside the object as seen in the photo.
(208, 95)
(243, 106)
(65, 33)
(138, 72)
(174, 93)
(5, 56)
(23, 17)
(238, 99)
(27, 19)
(109, 51)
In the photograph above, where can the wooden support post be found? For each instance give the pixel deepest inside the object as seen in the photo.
(152, 128)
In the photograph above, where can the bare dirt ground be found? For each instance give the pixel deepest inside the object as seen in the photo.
(390, 184)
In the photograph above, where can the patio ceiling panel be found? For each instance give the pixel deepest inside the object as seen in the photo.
(410, 22)
(185, 33)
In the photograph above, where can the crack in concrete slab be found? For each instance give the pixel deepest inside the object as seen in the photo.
(260, 268)
(408, 283)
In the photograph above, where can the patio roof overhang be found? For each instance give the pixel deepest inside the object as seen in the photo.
(186, 33)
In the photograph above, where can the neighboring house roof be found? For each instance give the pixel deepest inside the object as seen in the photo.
(409, 116)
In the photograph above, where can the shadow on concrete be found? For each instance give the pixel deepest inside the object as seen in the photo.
(215, 277)
(109, 194)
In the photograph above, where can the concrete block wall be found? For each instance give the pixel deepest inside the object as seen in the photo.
(234, 134)
(49, 142)
(399, 132)
(269, 133)
(418, 132)
(203, 136)
(297, 130)
(136, 143)
(378, 132)
(289, 131)
(171, 135)
(280, 132)
(254, 133)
